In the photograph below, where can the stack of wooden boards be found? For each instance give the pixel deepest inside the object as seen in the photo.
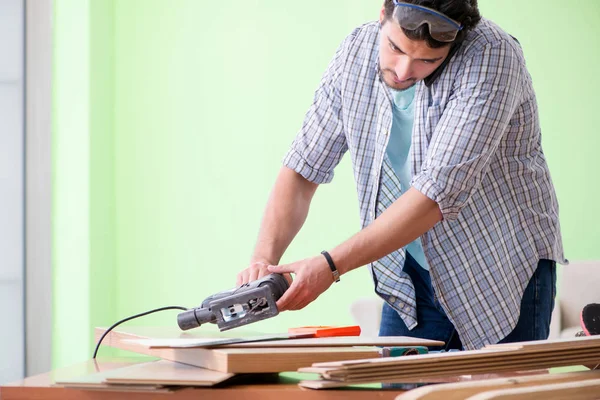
(155, 376)
(492, 359)
(571, 385)
(182, 364)
(339, 363)
(253, 357)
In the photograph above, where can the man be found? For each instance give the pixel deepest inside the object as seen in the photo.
(460, 219)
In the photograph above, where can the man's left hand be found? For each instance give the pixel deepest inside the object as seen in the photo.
(312, 277)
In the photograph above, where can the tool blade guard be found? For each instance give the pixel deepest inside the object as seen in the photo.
(251, 302)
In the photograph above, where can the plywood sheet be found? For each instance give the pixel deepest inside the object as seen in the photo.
(166, 373)
(583, 390)
(543, 354)
(340, 341)
(242, 360)
(97, 381)
(463, 390)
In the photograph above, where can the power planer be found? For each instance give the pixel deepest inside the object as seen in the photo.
(248, 303)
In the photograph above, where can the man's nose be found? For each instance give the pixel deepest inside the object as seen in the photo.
(403, 68)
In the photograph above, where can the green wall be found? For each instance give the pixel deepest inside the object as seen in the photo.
(170, 122)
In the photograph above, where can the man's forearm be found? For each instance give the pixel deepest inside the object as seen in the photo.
(406, 219)
(284, 215)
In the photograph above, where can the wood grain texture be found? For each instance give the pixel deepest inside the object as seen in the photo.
(164, 373)
(340, 341)
(463, 390)
(514, 357)
(241, 360)
(40, 387)
(582, 390)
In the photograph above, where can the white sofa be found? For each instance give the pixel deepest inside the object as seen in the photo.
(578, 285)
(366, 312)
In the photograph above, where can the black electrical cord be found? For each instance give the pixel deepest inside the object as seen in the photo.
(133, 317)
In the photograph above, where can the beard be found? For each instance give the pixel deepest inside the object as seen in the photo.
(387, 76)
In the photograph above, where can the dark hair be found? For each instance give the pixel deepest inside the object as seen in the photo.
(463, 11)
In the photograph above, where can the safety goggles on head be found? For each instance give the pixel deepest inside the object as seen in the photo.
(412, 16)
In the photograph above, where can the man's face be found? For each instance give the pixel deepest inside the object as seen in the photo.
(402, 61)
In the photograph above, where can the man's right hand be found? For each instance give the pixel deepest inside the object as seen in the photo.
(257, 269)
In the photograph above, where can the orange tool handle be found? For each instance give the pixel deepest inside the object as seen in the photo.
(326, 331)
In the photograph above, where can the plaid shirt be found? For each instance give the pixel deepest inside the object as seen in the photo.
(476, 151)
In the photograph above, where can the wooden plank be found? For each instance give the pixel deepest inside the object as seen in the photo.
(582, 390)
(339, 341)
(166, 373)
(582, 341)
(40, 387)
(463, 390)
(197, 357)
(466, 368)
(592, 346)
(97, 381)
(459, 365)
(240, 360)
(414, 359)
(325, 384)
(411, 377)
(424, 373)
(501, 358)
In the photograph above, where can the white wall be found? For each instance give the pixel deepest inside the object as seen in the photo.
(38, 186)
(12, 353)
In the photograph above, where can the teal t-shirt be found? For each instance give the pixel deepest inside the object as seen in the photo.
(398, 151)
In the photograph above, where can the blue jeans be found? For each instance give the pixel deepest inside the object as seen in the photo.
(432, 322)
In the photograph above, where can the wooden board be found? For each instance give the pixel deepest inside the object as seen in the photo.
(589, 343)
(577, 351)
(241, 360)
(275, 387)
(339, 341)
(583, 341)
(166, 373)
(471, 362)
(398, 375)
(463, 390)
(575, 347)
(583, 390)
(97, 381)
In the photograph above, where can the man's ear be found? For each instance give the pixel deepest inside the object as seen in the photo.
(382, 16)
